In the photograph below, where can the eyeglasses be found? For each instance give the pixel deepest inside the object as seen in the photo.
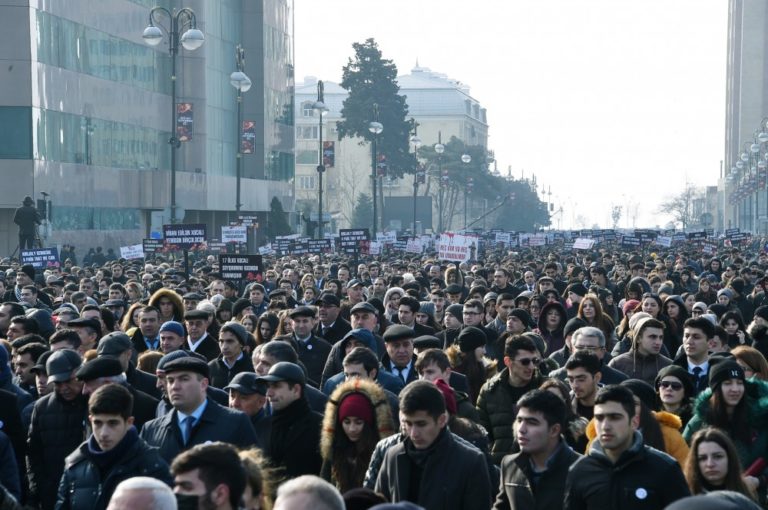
(587, 347)
(671, 384)
(527, 361)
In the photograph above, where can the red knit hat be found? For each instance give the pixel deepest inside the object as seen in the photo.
(450, 396)
(357, 405)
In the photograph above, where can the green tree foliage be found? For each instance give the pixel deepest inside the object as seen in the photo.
(372, 79)
(278, 220)
(362, 216)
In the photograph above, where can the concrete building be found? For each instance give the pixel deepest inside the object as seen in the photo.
(439, 105)
(85, 114)
(746, 112)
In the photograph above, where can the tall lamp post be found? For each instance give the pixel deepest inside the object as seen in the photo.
(375, 127)
(242, 83)
(191, 39)
(466, 159)
(416, 143)
(321, 109)
(439, 149)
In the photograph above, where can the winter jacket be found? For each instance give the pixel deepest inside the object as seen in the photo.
(178, 307)
(332, 430)
(756, 393)
(641, 479)
(313, 354)
(27, 218)
(221, 374)
(637, 366)
(58, 427)
(555, 339)
(670, 424)
(516, 492)
(294, 441)
(84, 487)
(497, 409)
(334, 362)
(453, 476)
(9, 468)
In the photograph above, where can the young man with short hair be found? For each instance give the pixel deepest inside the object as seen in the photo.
(583, 369)
(534, 478)
(113, 453)
(619, 471)
(433, 364)
(233, 338)
(694, 359)
(210, 476)
(419, 468)
(644, 360)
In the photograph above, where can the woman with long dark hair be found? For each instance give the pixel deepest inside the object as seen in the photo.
(653, 305)
(591, 312)
(674, 393)
(467, 357)
(713, 465)
(675, 310)
(266, 327)
(706, 294)
(734, 326)
(357, 416)
(738, 406)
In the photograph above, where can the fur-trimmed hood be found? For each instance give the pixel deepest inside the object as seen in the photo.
(456, 357)
(178, 304)
(374, 393)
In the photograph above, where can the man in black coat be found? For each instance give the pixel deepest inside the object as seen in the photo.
(27, 218)
(399, 359)
(113, 453)
(233, 360)
(313, 351)
(57, 428)
(195, 419)
(406, 315)
(331, 326)
(294, 442)
(105, 370)
(619, 471)
(534, 478)
(118, 345)
(429, 461)
(198, 339)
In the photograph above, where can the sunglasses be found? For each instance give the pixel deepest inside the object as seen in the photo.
(527, 361)
(671, 384)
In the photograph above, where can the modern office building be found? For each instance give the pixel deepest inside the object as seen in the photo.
(743, 199)
(439, 104)
(86, 116)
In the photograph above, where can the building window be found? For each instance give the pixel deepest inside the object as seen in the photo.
(306, 157)
(15, 132)
(307, 110)
(306, 132)
(306, 182)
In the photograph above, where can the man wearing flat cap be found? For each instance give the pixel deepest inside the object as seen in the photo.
(118, 345)
(399, 359)
(195, 418)
(56, 429)
(331, 326)
(294, 442)
(249, 394)
(313, 350)
(198, 339)
(107, 370)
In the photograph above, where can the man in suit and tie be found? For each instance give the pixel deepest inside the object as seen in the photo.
(198, 339)
(195, 419)
(695, 357)
(399, 359)
(313, 351)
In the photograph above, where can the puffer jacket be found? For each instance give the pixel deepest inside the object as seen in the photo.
(83, 487)
(670, 424)
(641, 479)
(57, 429)
(756, 393)
(497, 409)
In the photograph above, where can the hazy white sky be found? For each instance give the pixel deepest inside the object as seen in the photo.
(606, 101)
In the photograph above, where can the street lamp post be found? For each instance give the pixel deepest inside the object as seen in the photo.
(375, 127)
(466, 159)
(191, 39)
(416, 142)
(321, 109)
(439, 149)
(242, 83)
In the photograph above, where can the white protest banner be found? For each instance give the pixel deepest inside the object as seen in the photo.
(583, 243)
(266, 250)
(664, 241)
(234, 234)
(374, 248)
(386, 237)
(414, 246)
(135, 251)
(455, 247)
(537, 240)
(502, 237)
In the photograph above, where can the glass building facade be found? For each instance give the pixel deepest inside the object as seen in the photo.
(85, 116)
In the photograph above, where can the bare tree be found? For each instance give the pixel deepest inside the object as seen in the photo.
(681, 206)
(616, 215)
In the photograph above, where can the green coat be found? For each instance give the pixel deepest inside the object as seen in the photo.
(497, 410)
(756, 393)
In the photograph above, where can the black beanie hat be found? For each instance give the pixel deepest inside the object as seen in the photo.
(521, 314)
(723, 371)
(762, 312)
(641, 390)
(471, 338)
(240, 305)
(457, 311)
(572, 325)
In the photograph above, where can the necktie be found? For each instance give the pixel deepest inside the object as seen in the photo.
(697, 375)
(186, 429)
(400, 373)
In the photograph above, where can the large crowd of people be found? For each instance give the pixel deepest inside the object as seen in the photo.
(537, 379)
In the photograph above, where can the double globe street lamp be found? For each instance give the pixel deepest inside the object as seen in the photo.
(191, 39)
(321, 109)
